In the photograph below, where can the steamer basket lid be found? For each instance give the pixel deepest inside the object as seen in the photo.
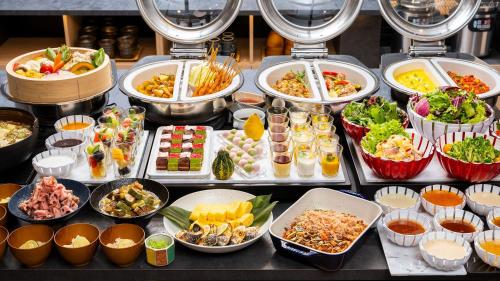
(428, 20)
(309, 21)
(189, 21)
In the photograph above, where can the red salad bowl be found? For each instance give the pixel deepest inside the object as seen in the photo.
(357, 132)
(401, 170)
(466, 171)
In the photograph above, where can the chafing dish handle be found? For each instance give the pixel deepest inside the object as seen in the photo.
(298, 252)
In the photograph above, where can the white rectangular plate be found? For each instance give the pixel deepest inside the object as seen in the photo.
(433, 173)
(205, 171)
(265, 178)
(407, 261)
(81, 172)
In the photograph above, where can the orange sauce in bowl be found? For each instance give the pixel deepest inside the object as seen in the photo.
(406, 227)
(496, 221)
(443, 198)
(75, 126)
(492, 247)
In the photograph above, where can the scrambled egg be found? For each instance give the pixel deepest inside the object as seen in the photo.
(397, 148)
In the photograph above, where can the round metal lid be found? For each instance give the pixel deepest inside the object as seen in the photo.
(189, 21)
(428, 20)
(309, 21)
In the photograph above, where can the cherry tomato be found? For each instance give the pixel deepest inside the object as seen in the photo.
(46, 68)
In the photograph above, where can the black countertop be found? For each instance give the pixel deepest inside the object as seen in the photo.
(117, 7)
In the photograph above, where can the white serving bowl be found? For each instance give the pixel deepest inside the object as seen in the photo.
(213, 196)
(406, 240)
(495, 213)
(493, 129)
(488, 258)
(444, 264)
(58, 171)
(389, 190)
(240, 116)
(433, 208)
(476, 207)
(458, 215)
(432, 129)
(78, 149)
(76, 118)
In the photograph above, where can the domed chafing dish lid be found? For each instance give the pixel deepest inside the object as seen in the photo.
(189, 21)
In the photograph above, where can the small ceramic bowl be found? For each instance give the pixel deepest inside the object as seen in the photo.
(240, 116)
(77, 256)
(122, 257)
(406, 240)
(78, 149)
(37, 232)
(4, 234)
(487, 257)
(458, 216)
(74, 119)
(440, 263)
(160, 257)
(493, 129)
(476, 207)
(56, 170)
(495, 213)
(248, 98)
(433, 208)
(7, 190)
(3, 215)
(399, 190)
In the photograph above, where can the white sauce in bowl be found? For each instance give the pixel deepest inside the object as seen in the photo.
(55, 161)
(486, 198)
(445, 249)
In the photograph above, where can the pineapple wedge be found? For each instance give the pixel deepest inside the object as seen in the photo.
(246, 219)
(232, 209)
(244, 208)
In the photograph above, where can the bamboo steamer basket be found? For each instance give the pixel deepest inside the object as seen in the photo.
(83, 86)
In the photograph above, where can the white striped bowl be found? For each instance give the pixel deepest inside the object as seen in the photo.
(444, 264)
(73, 119)
(432, 129)
(461, 216)
(78, 149)
(493, 129)
(404, 239)
(432, 208)
(476, 207)
(396, 190)
(467, 171)
(495, 213)
(56, 171)
(488, 258)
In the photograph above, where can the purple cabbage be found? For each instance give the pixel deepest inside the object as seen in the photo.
(422, 107)
(457, 101)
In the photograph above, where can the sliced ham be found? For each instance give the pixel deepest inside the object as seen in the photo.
(49, 199)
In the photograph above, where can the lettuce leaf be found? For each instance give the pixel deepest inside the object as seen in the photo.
(381, 132)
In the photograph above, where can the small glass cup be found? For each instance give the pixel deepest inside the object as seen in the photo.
(324, 127)
(109, 121)
(123, 158)
(105, 135)
(276, 113)
(320, 109)
(135, 118)
(113, 110)
(321, 118)
(301, 127)
(279, 137)
(305, 161)
(282, 161)
(302, 141)
(280, 143)
(330, 159)
(327, 139)
(298, 115)
(97, 158)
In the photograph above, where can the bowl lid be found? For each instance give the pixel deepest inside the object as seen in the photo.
(189, 22)
(309, 21)
(428, 20)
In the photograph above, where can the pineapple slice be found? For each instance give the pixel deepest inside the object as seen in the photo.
(246, 219)
(195, 214)
(244, 208)
(232, 209)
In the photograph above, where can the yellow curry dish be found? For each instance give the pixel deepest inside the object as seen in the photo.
(417, 80)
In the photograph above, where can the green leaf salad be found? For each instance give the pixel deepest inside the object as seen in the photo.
(473, 150)
(451, 105)
(374, 110)
(381, 132)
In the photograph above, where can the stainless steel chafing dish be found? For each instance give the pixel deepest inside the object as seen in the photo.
(310, 24)
(188, 35)
(427, 50)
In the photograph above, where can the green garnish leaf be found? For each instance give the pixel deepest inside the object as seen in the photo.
(98, 57)
(50, 54)
(177, 215)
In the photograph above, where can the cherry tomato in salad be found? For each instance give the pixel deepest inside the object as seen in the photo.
(46, 68)
(333, 73)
